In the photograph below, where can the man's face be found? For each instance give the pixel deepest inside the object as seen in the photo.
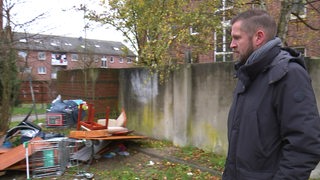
(242, 43)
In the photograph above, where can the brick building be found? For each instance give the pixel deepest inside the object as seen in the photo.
(303, 34)
(42, 56)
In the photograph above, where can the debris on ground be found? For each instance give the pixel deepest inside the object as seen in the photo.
(28, 148)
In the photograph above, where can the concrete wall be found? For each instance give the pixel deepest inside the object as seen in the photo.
(189, 109)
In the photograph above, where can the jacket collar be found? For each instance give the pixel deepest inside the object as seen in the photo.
(248, 72)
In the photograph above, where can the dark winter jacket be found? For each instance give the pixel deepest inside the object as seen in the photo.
(273, 124)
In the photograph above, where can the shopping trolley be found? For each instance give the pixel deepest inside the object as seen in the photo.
(54, 157)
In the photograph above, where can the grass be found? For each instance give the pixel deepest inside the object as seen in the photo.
(24, 109)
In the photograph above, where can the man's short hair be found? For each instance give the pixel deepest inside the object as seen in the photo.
(254, 19)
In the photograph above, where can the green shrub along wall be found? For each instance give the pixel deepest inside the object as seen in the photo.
(190, 108)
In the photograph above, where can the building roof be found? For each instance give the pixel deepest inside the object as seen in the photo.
(41, 42)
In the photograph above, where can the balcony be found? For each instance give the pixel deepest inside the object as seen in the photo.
(59, 60)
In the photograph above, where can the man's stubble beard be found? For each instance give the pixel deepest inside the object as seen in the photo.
(244, 57)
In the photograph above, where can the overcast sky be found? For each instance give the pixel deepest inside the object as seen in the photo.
(60, 19)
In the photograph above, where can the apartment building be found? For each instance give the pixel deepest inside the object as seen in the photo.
(42, 56)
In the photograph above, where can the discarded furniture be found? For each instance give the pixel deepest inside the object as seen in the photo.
(121, 121)
(89, 124)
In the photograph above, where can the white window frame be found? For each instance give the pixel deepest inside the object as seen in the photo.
(104, 63)
(121, 60)
(42, 70)
(225, 25)
(129, 60)
(42, 55)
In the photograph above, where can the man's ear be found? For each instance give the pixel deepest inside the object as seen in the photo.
(260, 38)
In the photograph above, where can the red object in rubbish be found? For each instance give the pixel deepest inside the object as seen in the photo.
(89, 123)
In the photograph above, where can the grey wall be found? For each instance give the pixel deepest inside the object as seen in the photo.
(190, 108)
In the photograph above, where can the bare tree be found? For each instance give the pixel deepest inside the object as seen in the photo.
(9, 81)
(8, 71)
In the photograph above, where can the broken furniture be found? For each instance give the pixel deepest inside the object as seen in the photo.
(112, 126)
(89, 123)
(121, 121)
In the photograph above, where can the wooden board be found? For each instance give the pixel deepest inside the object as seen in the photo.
(89, 134)
(3, 150)
(15, 155)
(114, 137)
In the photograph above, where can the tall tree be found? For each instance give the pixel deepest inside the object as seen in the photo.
(161, 31)
(8, 71)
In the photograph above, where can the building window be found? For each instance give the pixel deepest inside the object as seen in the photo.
(74, 57)
(41, 55)
(129, 60)
(223, 52)
(222, 37)
(298, 8)
(104, 62)
(59, 59)
(121, 60)
(111, 59)
(42, 70)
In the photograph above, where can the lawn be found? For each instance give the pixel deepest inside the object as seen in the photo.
(24, 109)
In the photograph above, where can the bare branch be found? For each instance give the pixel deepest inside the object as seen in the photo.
(304, 22)
(310, 3)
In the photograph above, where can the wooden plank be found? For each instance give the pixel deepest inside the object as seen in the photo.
(113, 137)
(3, 150)
(89, 134)
(15, 155)
(22, 166)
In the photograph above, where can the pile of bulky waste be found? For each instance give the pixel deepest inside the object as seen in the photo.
(27, 147)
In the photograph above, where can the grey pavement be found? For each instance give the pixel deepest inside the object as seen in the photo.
(31, 118)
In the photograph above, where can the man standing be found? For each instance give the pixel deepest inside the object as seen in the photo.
(273, 123)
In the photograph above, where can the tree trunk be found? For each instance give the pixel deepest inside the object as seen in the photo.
(8, 74)
(6, 82)
(286, 8)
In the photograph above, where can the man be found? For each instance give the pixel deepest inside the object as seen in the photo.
(273, 123)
